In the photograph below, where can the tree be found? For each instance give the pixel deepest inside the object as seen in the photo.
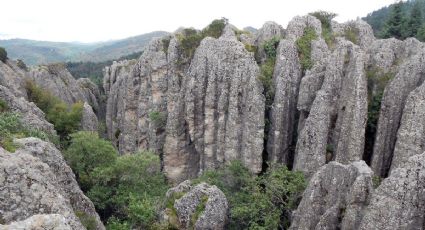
(85, 153)
(394, 25)
(3, 54)
(420, 35)
(414, 22)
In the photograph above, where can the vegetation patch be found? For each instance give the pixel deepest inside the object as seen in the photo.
(3, 55)
(89, 222)
(376, 181)
(304, 48)
(21, 64)
(351, 33)
(158, 119)
(199, 210)
(11, 127)
(66, 119)
(326, 18)
(263, 202)
(165, 44)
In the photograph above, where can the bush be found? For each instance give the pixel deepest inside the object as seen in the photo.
(12, 127)
(215, 28)
(66, 119)
(130, 189)
(21, 64)
(3, 55)
(326, 18)
(158, 119)
(270, 47)
(263, 202)
(85, 153)
(304, 48)
(351, 33)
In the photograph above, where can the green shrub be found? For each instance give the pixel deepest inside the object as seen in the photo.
(66, 119)
(376, 181)
(215, 28)
(21, 64)
(304, 48)
(270, 47)
(351, 33)
(12, 127)
(131, 189)
(263, 202)
(251, 48)
(326, 18)
(165, 44)
(157, 118)
(3, 55)
(266, 78)
(85, 153)
(89, 222)
(3, 106)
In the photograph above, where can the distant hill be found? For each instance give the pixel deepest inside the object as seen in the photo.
(41, 52)
(378, 18)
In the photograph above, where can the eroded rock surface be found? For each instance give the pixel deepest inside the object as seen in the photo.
(38, 222)
(213, 215)
(399, 202)
(335, 197)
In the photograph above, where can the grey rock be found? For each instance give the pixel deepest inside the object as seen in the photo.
(411, 134)
(65, 178)
(89, 120)
(38, 222)
(409, 76)
(298, 24)
(335, 198)
(32, 116)
(92, 95)
(286, 79)
(334, 128)
(13, 78)
(364, 32)
(215, 212)
(29, 187)
(269, 31)
(57, 80)
(399, 202)
(223, 116)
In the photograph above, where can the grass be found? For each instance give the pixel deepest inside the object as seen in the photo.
(199, 210)
(304, 48)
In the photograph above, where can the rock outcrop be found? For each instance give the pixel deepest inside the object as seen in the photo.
(206, 203)
(223, 111)
(409, 76)
(13, 78)
(36, 222)
(32, 116)
(92, 95)
(89, 120)
(270, 30)
(334, 128)
(399, 202)
(335, 198)
(37, 180)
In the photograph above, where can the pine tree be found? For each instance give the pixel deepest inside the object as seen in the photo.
(394, 25)
(415, 21)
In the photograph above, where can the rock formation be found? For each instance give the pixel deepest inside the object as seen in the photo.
(335, 197)
(192, 198)
(36, 180)
(399, 202)
(48, 221)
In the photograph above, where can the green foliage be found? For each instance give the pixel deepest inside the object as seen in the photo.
(89, 222)
(158, 118)
(257, 202)
(326, 18)
(3, 106)
(190, 39)
(165, 43)
(3, 54)
(421, 33)
(414, 22)
(199, 210)
(21, 64)
(66, 119)
(351, 33)
(130, 189)
(12, 127)
(116, 224)
(85, 153)
(304, 48)
(266, 78)
(376, 181)
(270, 47)
(394, 25)
(251, 48)
(215, 28)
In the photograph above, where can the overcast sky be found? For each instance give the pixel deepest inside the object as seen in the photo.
(100, 20)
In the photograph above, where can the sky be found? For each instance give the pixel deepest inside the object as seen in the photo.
(102, 20)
